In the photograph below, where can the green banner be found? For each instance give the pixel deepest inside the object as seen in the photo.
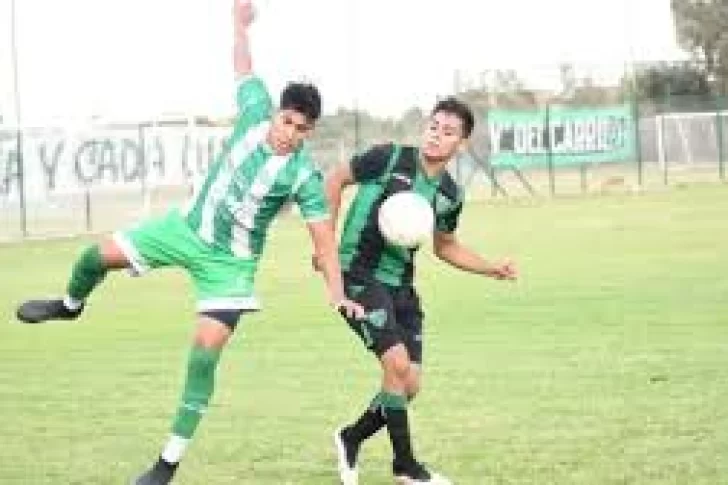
(561, 136)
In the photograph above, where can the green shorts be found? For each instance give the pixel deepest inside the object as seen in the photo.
(221, 281)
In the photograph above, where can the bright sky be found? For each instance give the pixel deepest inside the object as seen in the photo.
(136, 58)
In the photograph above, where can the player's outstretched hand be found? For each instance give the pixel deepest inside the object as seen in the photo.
(504, 270)
(351, 309)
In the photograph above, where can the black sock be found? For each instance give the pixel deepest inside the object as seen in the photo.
(371, 421)
(394, 407)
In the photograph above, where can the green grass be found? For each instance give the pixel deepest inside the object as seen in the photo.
(607, 363)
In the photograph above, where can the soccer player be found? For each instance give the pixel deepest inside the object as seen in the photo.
(219, 236)
(380, 276)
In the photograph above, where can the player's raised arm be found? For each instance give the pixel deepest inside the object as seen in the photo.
(242, 19)
(253, 101)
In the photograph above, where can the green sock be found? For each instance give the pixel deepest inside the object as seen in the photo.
(389, 401)
(198, 390)
(88, 272)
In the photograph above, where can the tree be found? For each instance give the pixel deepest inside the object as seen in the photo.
(657, 82)
(702, 29)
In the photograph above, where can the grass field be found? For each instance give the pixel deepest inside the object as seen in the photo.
(607, 363)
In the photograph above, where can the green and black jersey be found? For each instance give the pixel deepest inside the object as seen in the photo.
(380, 172)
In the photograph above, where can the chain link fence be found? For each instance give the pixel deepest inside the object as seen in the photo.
(573, 137)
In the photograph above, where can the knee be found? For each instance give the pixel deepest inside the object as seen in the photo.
(412, 389)
(110, 255)
(211, 333)
(209, 341)
(396, 364)
(413, 385)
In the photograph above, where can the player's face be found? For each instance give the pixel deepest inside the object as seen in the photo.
(289, 129)
(443, 136)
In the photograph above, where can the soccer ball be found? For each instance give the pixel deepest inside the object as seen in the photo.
(406, 219)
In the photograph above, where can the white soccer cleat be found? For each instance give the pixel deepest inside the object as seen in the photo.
(349, 475)
(435, 479)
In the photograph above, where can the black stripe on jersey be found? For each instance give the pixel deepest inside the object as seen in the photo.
(449, 188)
(371, 243)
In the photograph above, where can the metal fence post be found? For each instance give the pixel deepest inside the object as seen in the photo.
(637, 136)
(87, 209)
(663, 159)
(549, 152)
(20, 159)
(18, 116)
(142, 160)
(719, 141)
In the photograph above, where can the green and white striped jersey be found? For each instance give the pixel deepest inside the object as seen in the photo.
(248, 184)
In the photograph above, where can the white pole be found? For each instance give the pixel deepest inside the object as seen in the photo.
(18, 118)
(14, 60)
(685, 141)
(659, 133)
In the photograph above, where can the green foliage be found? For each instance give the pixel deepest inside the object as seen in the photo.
(672, 87)
(702, 28)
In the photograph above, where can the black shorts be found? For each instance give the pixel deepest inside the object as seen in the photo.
(394, 315)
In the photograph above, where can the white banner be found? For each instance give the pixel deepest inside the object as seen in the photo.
(57, 162)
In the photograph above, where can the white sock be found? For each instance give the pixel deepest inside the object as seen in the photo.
(174, 449)
(72, 303)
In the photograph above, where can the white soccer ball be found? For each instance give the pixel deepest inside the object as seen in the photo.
(406, 219)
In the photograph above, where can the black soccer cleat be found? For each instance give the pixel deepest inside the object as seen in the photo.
(160, 474)
(416, 474)
(39, 311)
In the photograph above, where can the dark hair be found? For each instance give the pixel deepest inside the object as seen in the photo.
(454, 106)
(304, 98)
